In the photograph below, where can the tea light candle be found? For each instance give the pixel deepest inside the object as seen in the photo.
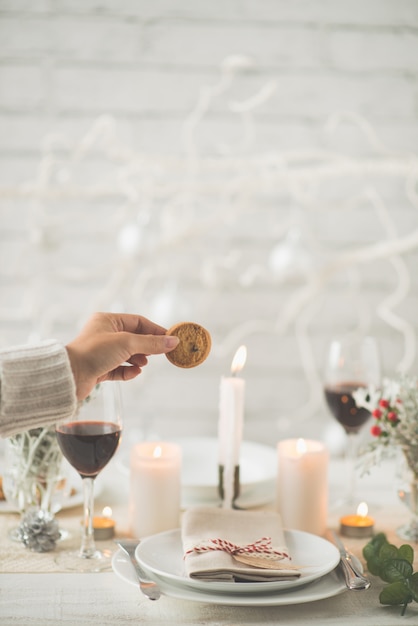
(359, 525)
(104, 525)
(302, 485)
(155, 486)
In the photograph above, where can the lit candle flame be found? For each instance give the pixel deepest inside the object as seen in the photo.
(157, 452)
(301, 446)
(239, 359)
(107, 511)
(362, 509)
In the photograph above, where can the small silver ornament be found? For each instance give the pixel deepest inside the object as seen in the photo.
(38, 530)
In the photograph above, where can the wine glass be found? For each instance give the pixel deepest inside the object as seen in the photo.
(88, 441)
(353, 361)
(407, 478)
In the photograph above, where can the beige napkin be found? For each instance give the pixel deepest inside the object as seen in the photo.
(206, 560)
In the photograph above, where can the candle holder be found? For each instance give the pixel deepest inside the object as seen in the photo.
(236, 485)
(356, 526)
(360, 525)
(103, 528)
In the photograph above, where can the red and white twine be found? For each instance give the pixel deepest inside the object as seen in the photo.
(262, 547)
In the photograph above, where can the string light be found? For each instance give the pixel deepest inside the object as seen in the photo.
(141, 207)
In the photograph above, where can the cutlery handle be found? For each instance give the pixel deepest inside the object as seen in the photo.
(354, 580)
(148, 587)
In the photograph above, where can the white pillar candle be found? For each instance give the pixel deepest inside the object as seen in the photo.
(302, 485)
(155, 487)
(231, 419)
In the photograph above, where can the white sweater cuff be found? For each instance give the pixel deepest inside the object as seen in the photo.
(37, 387)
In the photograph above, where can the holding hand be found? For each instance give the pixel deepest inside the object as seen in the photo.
(114, 346)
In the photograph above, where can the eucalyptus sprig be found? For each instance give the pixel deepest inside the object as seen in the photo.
(394, 566)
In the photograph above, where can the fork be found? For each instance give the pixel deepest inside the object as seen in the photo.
(148, 587)
(353, 577)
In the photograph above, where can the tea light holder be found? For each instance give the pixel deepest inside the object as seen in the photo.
(357, 526)
(104, 525)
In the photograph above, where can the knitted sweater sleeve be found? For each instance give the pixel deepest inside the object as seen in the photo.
(37, 387)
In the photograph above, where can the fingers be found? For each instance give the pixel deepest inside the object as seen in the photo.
(123, 372)
(138, 324)
(126, 372)
(119, 322)
(140, 360)
(151, 344)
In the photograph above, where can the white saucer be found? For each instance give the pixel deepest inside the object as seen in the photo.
(258, 469)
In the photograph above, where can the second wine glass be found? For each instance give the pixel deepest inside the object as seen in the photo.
(352, 362)
(88, 441)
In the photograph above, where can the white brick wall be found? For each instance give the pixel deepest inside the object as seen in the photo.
(207, 234)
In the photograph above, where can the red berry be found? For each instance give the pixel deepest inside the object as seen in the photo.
(384, 403)
(377, 413)
(392, 416)
(375, 431)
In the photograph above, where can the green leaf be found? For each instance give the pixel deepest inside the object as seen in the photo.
(369, 551)
(388, 551)
(395, 593)
(394, 566)
(374, 566)
(396, 570)
(378, 540)
(413, 586)
(372, 548)
(406, 552)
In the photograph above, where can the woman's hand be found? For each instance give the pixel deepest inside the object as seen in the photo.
(114, 346)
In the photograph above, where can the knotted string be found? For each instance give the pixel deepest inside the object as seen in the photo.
(262, 547)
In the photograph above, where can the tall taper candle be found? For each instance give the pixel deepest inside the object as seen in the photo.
(231, 418)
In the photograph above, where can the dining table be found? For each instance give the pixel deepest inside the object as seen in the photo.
(36, 590)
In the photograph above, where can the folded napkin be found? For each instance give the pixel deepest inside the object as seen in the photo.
(216, 541)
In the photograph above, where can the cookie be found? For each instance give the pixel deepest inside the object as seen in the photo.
(194, 346)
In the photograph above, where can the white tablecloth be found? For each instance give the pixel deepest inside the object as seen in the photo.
(104, 599)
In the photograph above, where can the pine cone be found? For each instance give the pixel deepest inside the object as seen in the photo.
(39, 530)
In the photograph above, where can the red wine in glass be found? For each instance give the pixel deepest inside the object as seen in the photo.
(88, 440)
(353, 361)
(343, 407)
(88, 446)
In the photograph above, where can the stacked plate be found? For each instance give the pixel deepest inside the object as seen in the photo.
(199, 473)
(161, 556)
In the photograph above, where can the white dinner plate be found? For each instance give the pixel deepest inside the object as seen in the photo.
(327, 586)
(199, 471)
(162, 555)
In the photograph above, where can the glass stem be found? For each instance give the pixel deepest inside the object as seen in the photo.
(88, 547)
(414, 509)
(350, 457)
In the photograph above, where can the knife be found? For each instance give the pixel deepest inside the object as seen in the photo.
(148, 587)
(354, 579)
